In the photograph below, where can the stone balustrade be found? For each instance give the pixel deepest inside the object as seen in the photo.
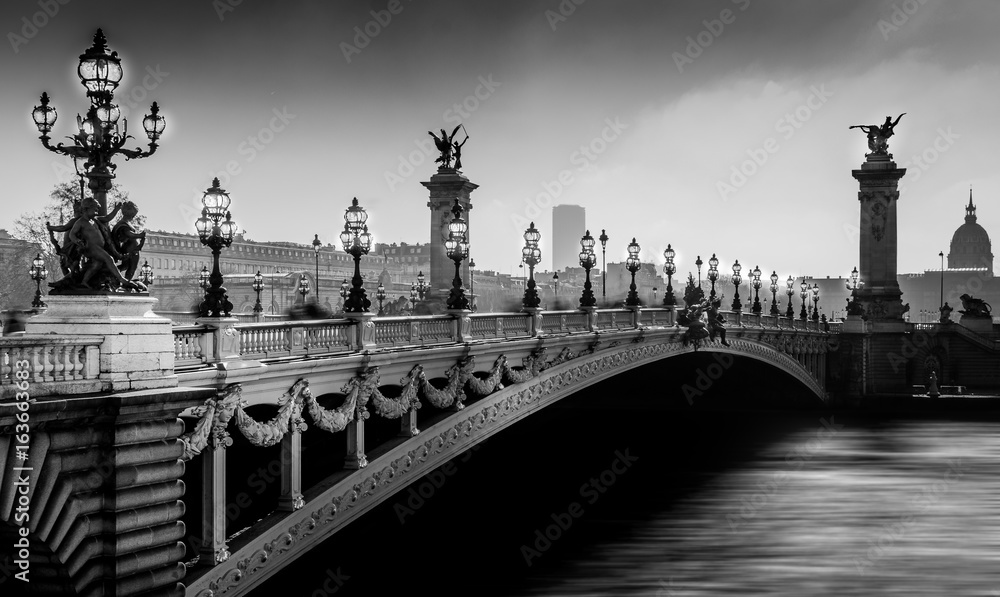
(56, 365)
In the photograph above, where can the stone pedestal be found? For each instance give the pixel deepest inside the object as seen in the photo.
(463, 324)
(445, 186)
(880, 297)
(364, 331)
(138, 348)
(980, 325)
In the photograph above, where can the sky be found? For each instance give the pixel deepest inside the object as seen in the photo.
(718, 126)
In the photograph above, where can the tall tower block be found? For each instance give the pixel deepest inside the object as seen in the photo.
(445, 186)
(880, 297)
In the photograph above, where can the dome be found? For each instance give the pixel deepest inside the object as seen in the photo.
(970, 245)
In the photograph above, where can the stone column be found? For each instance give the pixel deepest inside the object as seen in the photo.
(880, 296)
(445, 186)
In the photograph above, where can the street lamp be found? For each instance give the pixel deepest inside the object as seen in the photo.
(215, 234)
(790, 290)
(258, 286)
(815, 293)
(555, 282)
(698, 263)
(472, 282)
(737, 279)
(941, 255)
(632, 264)
(38, 273)
(803, 293)
(380, 297)
(99, 137)
(669, 269)
(413, 296)
(604, 266)
(531, 255)
(204, 278)
(774, 294)
(356, 242)
(587, 261)
(146, 274)
(852, 285)
(457, 249)
(303, 287)
(713, 274)
(756, 283)
(421, 287)
(316, 246)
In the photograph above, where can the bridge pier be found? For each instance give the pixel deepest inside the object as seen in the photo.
(213, 549)
(290, 498)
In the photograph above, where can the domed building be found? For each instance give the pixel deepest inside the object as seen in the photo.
(970, 246)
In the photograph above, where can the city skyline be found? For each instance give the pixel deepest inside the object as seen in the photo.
(667, 123)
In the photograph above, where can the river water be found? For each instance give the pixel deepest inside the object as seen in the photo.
(603, 500)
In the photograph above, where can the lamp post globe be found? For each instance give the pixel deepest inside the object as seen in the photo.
(146, 274)
(317, 245)
(815, 298)
(698, 263)
(258, 286)
(803, 294)
(303, 287)
(356, 241)
(669, 268)
(737, 279)
(215, 233)
(632, 264)
(38, 273)
(790, 290)
(774, 294)
(587, 261)
(457, 249)
(380, 297)
(604, 264)
(756, 283)
(421, 287)
(531, 255)
(713, 274)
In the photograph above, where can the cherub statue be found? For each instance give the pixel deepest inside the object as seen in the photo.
(127, 241)
(91, 244)
(68, 256)
(445, 145)
(716, 321)
(878, 136)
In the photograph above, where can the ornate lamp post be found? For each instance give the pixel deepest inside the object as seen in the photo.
(413, 296)
(815, 296)
(803, 293)
(457, 249)
(531, 255)
(713, 274)
(380, 297)
(555, 283)
(146, 274)
(737, 279)
(604, 266)
(698, 263)
(38, 273)
(99, 137)
(756, 283)
(853, 308)
(774, 294)
(421, 287)
(790, 290)
(303, 287)
(258, 286)
(472, 282)
(204, 278)
(215, 234)
(632, 264)
(669, 268)
(587, 261)
(316, 247)
(357, 242)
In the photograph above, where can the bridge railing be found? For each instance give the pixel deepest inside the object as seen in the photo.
(414, 331)
(500, 325)
(53, 365)
(293, 338)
